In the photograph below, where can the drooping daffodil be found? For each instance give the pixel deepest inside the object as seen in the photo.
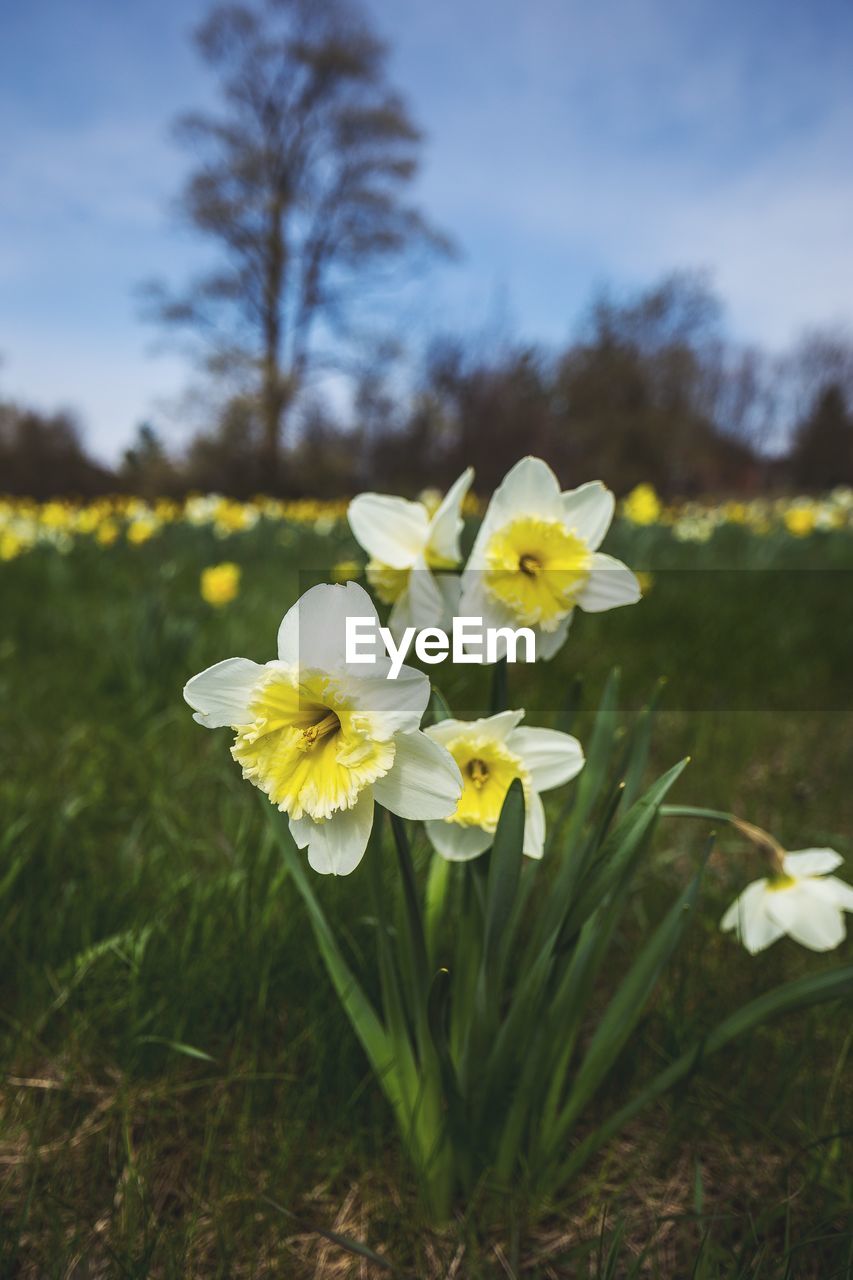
(536, 557)
(324, 739)
(406, 542)
(801, 899)
(491, 753)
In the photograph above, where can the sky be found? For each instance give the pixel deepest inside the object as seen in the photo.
(568, 146)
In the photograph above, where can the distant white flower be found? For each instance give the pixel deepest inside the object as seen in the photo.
(406, 541)
(803, 901)
(324, 739)
(536, 556)
(491, 754)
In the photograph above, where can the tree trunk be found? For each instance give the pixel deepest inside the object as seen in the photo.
(274, 395)
(272, 413)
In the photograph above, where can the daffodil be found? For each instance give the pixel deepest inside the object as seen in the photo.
(343, 570)
(405, 542)
(10, 545)
(107, 533)
(801, 899)
(800, 518)
(642, 505)
(491, 754)
(324, 740)
(220, 583)
(536, 556)
(141, 529)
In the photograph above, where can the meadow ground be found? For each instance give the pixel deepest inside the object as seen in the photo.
(181, 1093)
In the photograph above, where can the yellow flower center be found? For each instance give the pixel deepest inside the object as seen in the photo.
(307, 748)
(537, 568)
(487, 767)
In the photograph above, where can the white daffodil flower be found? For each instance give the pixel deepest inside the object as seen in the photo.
(323, 739)
(405, 543)
(490, 754)
(536, 556)
(803, 901)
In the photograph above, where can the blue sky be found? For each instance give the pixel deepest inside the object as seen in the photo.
(569, 145)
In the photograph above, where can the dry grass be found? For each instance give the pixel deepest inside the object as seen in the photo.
(118, 1172)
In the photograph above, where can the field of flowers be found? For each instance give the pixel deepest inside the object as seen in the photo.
(25, 524)
(185, 1092)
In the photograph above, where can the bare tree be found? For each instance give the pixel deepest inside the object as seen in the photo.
(301, 185)
(821, 359)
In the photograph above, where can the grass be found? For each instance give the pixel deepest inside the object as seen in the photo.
(182, 1096)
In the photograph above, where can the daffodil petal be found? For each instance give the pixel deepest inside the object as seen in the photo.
(835, 890)
(220, 695)
(550, 757)
(748, 915)
(336, 845)
(424, 780)
(807, 917)
(534, 827)
(458, 844)
(477, 602)
(450, 588)
(497, 727)
(400, 616)
(424, 602)
(610, 584)
(395, 706)
(446, 525)
(313, 631)
(811, 862)
(550, 642)
(391, 530)
(445, 730)
(529, 488)
(429, 600)
(588, 510)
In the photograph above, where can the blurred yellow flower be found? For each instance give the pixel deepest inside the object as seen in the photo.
(107, 533)
(645, 579)
(642, 505)
(345, 569)
(55, 515)
(10, 545)
(800, 520)
(220, 583)
(140, 530)
(431, 499)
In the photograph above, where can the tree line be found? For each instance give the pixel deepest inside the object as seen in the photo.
(649, 390)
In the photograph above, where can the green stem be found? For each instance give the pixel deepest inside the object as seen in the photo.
(417, 941)
(436, 896)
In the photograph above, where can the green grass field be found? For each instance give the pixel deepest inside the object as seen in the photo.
(182, 1095)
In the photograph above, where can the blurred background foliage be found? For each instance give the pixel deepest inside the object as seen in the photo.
(650, 390)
